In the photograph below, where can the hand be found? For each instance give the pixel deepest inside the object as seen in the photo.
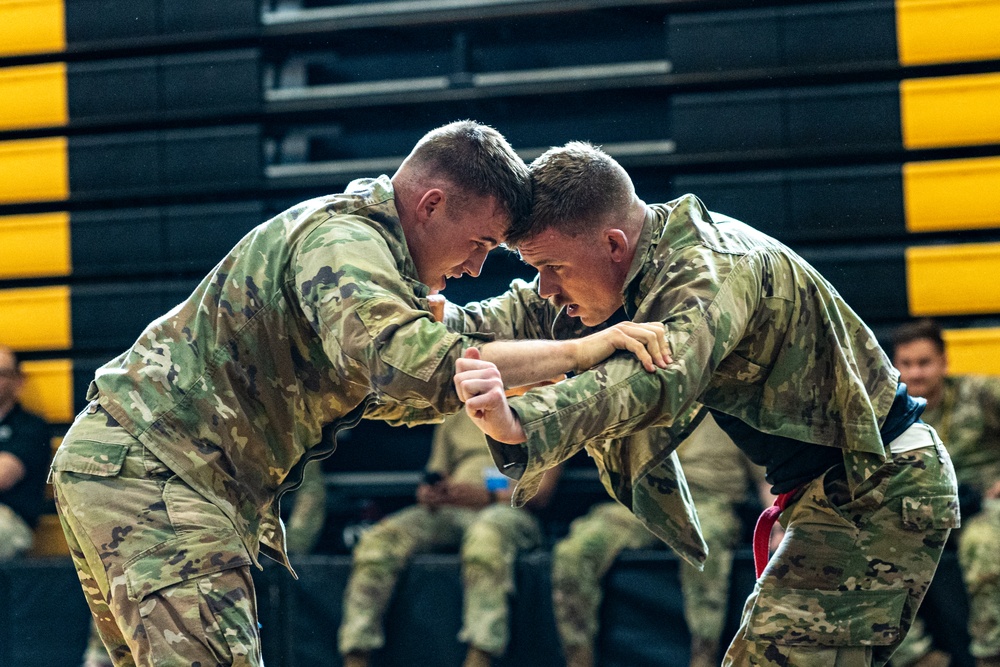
(473, 496)
(435, 303)
(480, 387)
(646, 340)
(432, 496)
(993, 491)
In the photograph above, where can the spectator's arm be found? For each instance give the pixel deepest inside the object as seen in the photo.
(11, 470)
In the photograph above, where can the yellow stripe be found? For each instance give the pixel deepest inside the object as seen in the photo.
(36, 318)
(33, 96)
(973, 351)
(950, 111)
(32, 26)
(953, 280)
(943, 31)
(35, 245)
(48, 389)
(34, 170)
(947, 195)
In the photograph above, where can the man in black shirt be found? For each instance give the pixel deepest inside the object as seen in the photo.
(24, 456)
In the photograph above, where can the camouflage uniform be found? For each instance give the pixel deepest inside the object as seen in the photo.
(168, 483)
(305, 523)
(15, 534)
(489, 538)
(968, 418)
(759, 335)
(719, 476)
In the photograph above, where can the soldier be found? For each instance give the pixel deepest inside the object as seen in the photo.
(965, 410)
(720, 477)
(790, 373)
(24, 454)
(168, 483)
(455, 508)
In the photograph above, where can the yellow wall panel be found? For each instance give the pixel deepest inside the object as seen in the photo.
(48, 389)
(950, 110)
(973, 351)
(33, 96)
(953, 280)
(944, 31)
(944, 195)
(36, 318)
(32, 26)
(34, 170)
(35, 245)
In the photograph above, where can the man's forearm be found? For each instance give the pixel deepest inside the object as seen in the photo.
(530, 361)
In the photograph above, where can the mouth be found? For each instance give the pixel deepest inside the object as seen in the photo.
(573, 309)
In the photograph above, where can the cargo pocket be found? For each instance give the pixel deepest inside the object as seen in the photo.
(86, 457)
(930, 513)
(178, 560)
(793, 617)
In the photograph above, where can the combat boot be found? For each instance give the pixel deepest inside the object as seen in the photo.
(477, 658)
(704, 652)
(933, 658)
(356, 659)
(579, 656)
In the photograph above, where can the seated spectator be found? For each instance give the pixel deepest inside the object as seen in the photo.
(24, 458)
(305, 523)
(719, 476)
(458, 505)
(965, 411)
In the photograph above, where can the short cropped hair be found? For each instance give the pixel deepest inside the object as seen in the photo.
(480, 163)
(575, 187)
(925, 329)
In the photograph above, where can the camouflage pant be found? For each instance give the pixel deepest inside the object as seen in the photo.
(490, 540)
(15, 535)
(844, 585)
(163, 570)
(706, 592)
(978, 547)
(305, 523)
(580, 561)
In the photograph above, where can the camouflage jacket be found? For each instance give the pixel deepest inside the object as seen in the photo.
(316, 317)
(755, 332)
(968, 420)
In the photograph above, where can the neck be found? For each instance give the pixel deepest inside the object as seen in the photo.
(6, 407)
(935, 397)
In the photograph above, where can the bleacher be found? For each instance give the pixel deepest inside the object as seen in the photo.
(140, 140)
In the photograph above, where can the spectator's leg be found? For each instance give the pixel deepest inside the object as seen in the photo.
(379, 557)
(309, 512)
(15, 535)
(579, 563)
(489, 551)
(978, 551)
(706, 592)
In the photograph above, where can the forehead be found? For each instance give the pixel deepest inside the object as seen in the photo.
(921, 347)
(551, 247)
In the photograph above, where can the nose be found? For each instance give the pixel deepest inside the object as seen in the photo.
(474, 265)
(547, 287)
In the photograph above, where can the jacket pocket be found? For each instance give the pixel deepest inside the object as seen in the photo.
(86, 457)
(932, 512)
(795, 617)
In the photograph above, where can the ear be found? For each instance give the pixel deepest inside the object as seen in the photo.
(617, 242)
(429, 204)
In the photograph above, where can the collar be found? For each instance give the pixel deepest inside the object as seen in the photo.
(634, 292)
(380, 208)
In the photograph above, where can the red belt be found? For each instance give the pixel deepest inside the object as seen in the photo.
(762, 531)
